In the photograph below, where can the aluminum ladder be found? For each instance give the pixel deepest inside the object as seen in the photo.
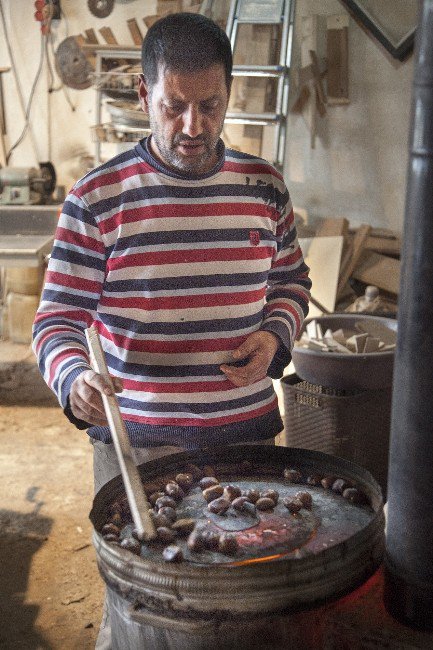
(266, 12)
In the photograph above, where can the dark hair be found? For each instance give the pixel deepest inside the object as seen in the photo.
(185, 42)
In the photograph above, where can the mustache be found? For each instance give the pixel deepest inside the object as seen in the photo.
(187, 139)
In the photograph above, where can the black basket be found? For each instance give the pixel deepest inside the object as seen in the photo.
(351, 424)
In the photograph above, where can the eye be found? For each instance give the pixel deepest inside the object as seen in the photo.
(209, 107)
(174, 108)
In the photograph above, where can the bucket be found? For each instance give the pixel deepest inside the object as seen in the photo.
(21, 310)
(250, 604)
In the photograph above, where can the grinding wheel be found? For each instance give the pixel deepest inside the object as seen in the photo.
(100, 8)
(72, 65)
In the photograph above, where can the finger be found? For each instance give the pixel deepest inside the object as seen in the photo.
(244, 350)
(86, 412)
(242, 376)
(117, 384)
(95, 380)
(86, 394)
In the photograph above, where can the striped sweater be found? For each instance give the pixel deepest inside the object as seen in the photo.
(175, 272)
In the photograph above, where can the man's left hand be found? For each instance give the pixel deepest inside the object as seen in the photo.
(259, 348)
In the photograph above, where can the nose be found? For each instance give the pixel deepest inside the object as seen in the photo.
(192, 122)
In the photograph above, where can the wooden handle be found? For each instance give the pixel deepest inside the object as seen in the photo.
(131, 478)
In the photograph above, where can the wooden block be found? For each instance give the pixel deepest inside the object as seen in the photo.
(338, 60)
(301, 100)
(384, 245)
(379, 270)
(135, 32)
(91, 36)
(358, 245)
(371, 344)
(333, 227)
(108, 35)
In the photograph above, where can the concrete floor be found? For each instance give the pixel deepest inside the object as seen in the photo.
(50, 588)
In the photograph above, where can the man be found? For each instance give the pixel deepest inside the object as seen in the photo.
(184, 254)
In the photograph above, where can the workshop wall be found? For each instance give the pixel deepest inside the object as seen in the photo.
(356, 170)
(358, 167)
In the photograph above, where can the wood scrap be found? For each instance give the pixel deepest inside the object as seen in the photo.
(379, 270)
(349, 342)
(338, 60)
(333, 227)
(91, 36)
(356, 252)
(135, 32)
(108, 36)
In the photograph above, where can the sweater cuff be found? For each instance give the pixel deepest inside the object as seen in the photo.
(283, 356)
(65, 388)
(80, 424)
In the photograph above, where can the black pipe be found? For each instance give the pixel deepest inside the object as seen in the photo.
(409, 545)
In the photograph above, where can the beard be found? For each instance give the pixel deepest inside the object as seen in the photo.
(185, 164)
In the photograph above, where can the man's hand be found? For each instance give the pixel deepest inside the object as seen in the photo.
(85, 396)
(259, 348)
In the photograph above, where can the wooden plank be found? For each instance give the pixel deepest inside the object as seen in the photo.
(91, 36)
(358, 246)
(322, 253)
(379, 270)
(108, 36)
(308, 44)
(333, 227)
(135, 32)
(337, 49)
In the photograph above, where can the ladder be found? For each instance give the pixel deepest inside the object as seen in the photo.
(265, 12)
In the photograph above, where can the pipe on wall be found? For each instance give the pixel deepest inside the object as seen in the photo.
(409, 545)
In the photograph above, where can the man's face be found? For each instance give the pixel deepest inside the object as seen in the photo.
(186, 114)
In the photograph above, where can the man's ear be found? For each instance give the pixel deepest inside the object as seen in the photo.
(143, 94)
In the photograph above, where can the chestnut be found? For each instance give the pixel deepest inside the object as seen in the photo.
(208, 481)
(228, 544)
(239, 502)
(314, 479)
(168, 512)
(339, 485)
(109, 537)
(252, 495)
(305, 498)
(213, 492)
(165, 501)
(211, 539)
(165, 535)
(174, 490)
(172, 553)
(232, 492)
(131, 544)
(110, 529)
(292, 475)
(219, 506)
(292, 504)
(153, 498)
(195, 541)
(183, 526)
(354, 495)
(327, 482)
(184, 481)
(270, 494)
(264, 503)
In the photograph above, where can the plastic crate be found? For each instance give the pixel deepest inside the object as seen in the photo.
(351, 424)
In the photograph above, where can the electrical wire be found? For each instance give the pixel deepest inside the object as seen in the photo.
(17, 79)
(29, 102)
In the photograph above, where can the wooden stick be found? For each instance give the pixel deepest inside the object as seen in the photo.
(131, 478)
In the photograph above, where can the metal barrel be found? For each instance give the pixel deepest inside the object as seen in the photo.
(409, 550)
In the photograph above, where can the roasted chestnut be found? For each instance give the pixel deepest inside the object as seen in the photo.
(219, 506)
(305, 498)
(208, 481)
(213, 492)
(292, 504)
(292, 475)
(264, 503)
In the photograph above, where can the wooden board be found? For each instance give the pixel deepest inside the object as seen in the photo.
(108, 35)
(322, 255)
(379, 270)
(135, 32)
(333, 227)
(351, 261)
(337, 49)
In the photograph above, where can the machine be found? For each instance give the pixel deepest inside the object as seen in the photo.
(27, 185)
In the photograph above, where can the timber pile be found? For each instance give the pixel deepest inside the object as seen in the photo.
(370, 256)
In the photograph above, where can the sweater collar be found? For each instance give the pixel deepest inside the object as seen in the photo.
(144, 151)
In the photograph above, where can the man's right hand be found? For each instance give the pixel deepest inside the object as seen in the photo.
(85, 397)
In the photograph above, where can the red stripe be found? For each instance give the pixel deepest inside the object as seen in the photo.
(73, 281)
(198, 256)
(65, 354)
(288, 259)
(181, 210)
(199, 422)
(171, 347)
(73, 315)
(184, 302)
(72, 237)
(110, 178)
(190, 387)
(283, 307)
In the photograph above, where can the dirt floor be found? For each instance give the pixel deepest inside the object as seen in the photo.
(50, 589)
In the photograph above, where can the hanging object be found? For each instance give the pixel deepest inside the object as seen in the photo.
(72, 65)
(100, 8)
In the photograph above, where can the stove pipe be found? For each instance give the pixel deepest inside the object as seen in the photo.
(409, 545)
